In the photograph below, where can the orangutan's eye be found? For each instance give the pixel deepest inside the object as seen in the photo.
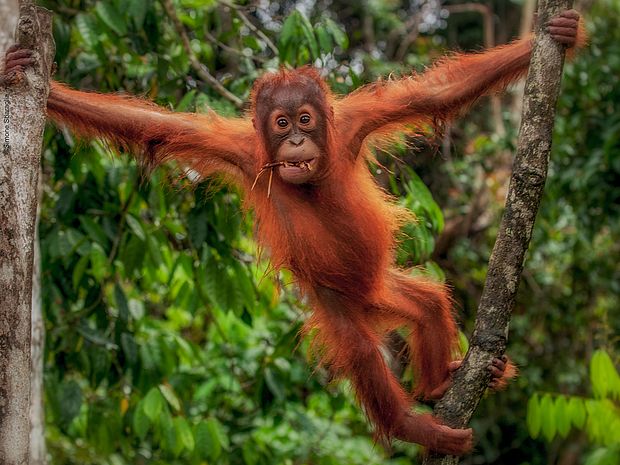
(304, 119)
(282, 122)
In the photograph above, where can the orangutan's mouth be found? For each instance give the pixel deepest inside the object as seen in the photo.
(291, 171)
(306, 165)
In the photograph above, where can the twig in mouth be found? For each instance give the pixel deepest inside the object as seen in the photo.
(270, 166)
(270, 179)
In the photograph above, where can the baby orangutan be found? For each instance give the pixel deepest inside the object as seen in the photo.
(301, 160)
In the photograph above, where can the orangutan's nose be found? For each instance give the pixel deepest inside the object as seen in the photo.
(297, 140)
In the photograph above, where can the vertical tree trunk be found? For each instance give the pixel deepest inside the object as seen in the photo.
(506, 263)
(23, 110)
(38, 451)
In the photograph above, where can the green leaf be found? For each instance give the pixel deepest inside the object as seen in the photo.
(133, 254)
(74, 239)
(250, 454)
(577, 412)
(98, 262)
(184, 433)
(308, 32)
(421, 201)
(547, 415)
(170, 396)
(66, 201)
(603, 374)
(78, 271)
(97, 337)
(210, 439)
(130, 349)
(610, 422)
(562, 416)
(186, 101)
(99, 357)
(111, 17)
(136, 9)
(613, 383)
(141, 422)
(69, 402)
(149, 362)
(464, 343)
(154, 249)
(253, 43)
(325, 39)
(203, 440)
(88, 30)
(594, 424)
(220, 289)
(197, 226)
(272, 381)
(121, 303)
(337, 33)
(94, 230)
(100, 432)
(243, 284)
(62, 38)
(171, 441)
(153, 404)
(169, 361)
(135, 226)
(434, 271)
(289, 30)
(533, 418)
(136, 308)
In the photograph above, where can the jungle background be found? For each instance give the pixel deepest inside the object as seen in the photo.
(166, 343)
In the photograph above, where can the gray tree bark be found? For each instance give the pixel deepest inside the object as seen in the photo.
(23, 109)
(38, 449)
(527, 182)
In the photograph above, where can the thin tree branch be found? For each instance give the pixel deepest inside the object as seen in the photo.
(251, 26)
(200, 69)
(230, 49)
(410, 38)
(527, 182)
(410, 27)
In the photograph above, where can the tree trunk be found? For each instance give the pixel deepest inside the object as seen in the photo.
(506, 263)
(38, 451)
(23, 110)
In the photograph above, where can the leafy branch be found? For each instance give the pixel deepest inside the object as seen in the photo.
(201, 70)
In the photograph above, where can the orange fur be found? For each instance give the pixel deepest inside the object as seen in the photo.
(337, 234)
(208, 143)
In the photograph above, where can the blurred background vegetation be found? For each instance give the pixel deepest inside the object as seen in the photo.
(167, 344)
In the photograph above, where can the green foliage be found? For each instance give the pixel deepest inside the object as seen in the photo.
(167, 342)
(603, 376)
(555, 415)
(301, 43)
(418, 240)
